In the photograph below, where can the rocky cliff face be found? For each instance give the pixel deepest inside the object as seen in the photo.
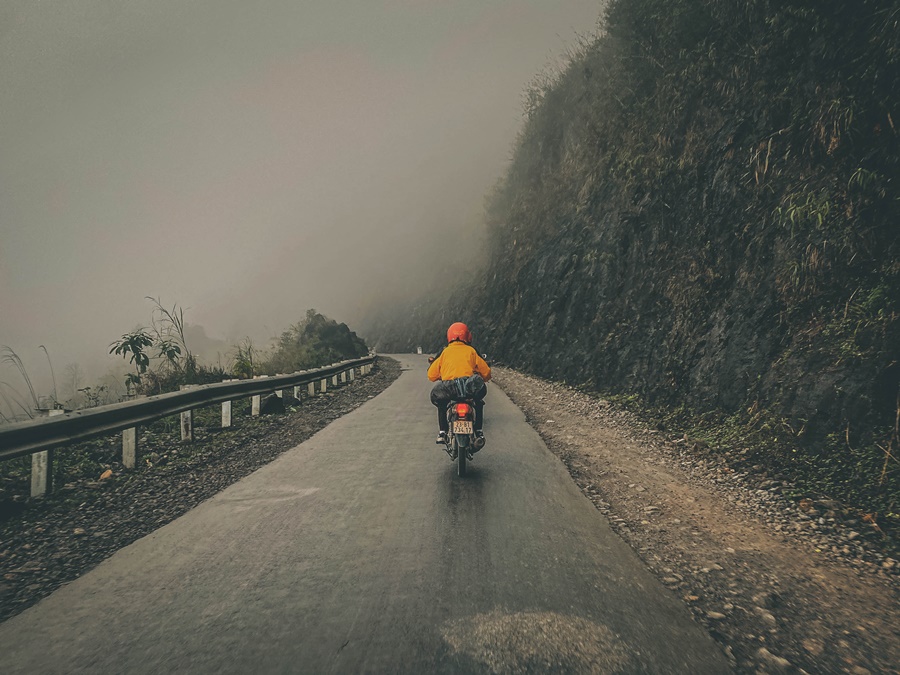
(703, 208)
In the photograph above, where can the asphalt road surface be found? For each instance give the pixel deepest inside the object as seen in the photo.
(361, 550)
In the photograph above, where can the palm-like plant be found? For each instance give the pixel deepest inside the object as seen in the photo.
(133, 347)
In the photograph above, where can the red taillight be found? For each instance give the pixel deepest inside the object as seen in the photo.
(463, 410)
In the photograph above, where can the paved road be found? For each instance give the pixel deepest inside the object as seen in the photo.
(362, 551)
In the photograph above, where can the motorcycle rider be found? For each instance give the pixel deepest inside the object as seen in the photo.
(458, 359)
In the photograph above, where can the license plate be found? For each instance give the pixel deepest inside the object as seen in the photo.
(463, 427)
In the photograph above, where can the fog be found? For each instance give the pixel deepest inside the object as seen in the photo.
(248, 161)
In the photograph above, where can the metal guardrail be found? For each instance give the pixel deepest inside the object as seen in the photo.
(34, 436)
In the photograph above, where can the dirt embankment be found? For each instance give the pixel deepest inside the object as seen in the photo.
(54, 540)
(782, 586)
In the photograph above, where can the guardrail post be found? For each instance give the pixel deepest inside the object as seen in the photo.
(130, 448)
(255, 400)
(42, 467)
(187, 425)
(187, 418)
(334, 381)
(351, 374)
(226, 409)
(324, 386)
(311, 389)
(279, 392)
(41, 473)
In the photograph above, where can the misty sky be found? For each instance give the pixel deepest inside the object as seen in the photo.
(247, 160)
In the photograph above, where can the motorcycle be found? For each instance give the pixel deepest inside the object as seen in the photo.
(461, 441)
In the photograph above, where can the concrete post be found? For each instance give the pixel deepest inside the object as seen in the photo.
(255, 400)
(279, 392)
(41, 473)
(42, 466)
(187, 426)
(226, 409)
(187, 418)
(334, 380)
(297, 392)
(352, 370)
(324, 386)
(311, 389)
(130, 449)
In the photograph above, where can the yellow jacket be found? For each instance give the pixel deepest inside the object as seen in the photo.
(458, 360)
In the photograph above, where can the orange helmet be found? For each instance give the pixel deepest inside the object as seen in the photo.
(459, 331)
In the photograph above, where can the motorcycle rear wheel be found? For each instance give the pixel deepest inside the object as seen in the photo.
(461, 458)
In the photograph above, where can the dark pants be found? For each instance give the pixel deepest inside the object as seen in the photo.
(442, 404)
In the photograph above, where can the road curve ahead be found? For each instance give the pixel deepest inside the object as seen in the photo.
(361, 550)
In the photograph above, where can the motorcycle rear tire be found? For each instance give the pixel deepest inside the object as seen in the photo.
(461, 458)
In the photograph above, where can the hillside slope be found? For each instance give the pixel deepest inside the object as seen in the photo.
(702, 210)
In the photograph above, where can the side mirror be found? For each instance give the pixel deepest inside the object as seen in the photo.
(430, 359)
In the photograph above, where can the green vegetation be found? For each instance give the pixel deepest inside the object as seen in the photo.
(160, 355)
(315, 341)
(701, 211)
(163, 361)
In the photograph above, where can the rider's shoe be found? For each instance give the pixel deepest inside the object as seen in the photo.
(441, 438)
(479, 439)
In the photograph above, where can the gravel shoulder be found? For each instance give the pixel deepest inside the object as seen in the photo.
(782, 586)
(51, 541)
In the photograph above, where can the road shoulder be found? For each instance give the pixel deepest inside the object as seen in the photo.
(752, 568)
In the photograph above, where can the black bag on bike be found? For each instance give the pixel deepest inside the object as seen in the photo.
(458, 389)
